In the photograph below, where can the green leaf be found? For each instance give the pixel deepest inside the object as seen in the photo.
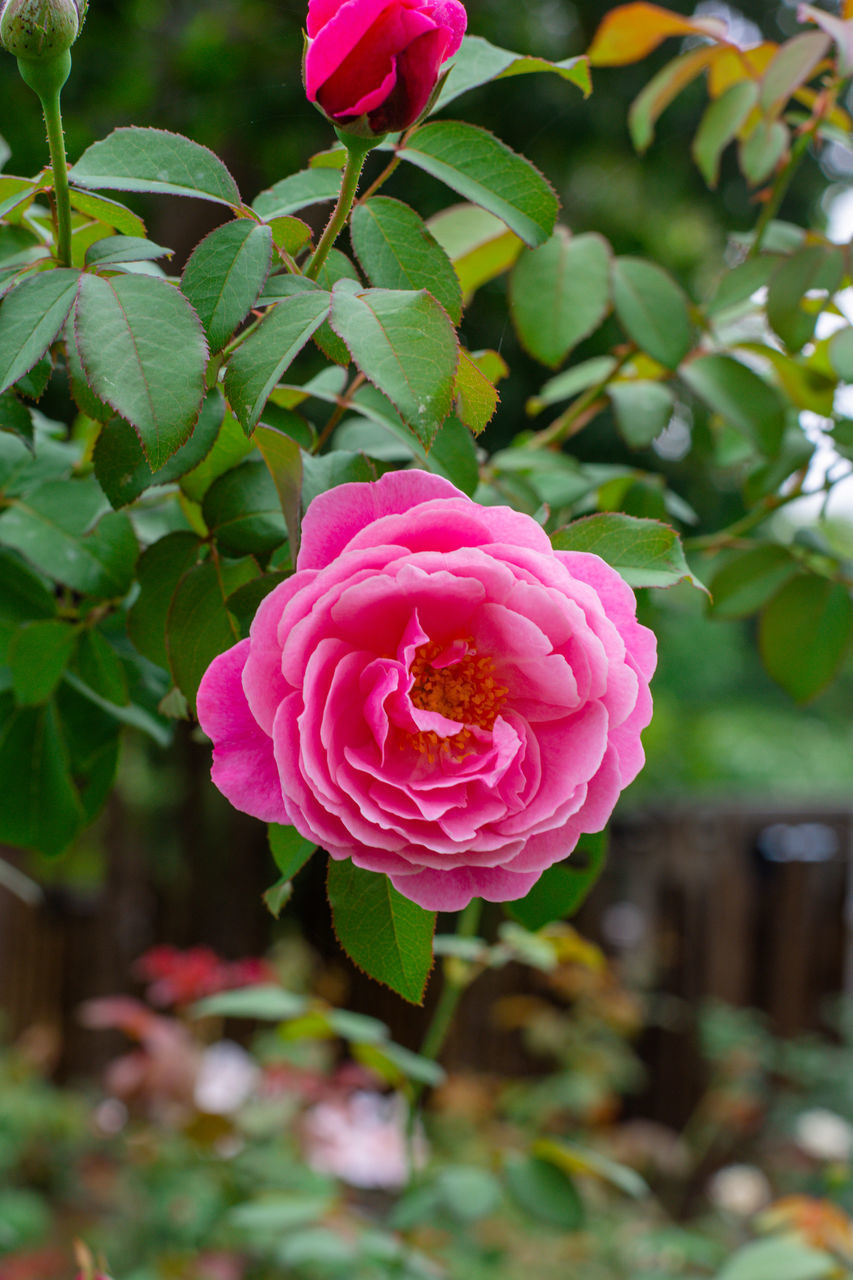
(719, 126)
(23, 596)
(15, 417)
(259, 362)
(762, 150)
(642, 409)
(566, 385)
(198, 625)
(734, 391)
(100, 667)
(397, 251)
(328, 470)
(242, 510)
(559, 293)
(144, 330)
(229, 447)
(661, 90)
(779, 1258)
(479, 244)
(245, 601)
(266, 1002)
(110, 212)
(120, 464)
(841, 353)
(475, 399)
(118, 249)
(792, 65)
(478, 62)
(645, 552)
(133, 159)
(290, 850)
(383, 933)
(38, 655)
(160, 569)
(748, 579)
(804, 632)
(481, 168)
(817, 267)
(55, 527)
(299, 191)
(31, 316)
(406, 345)
(562, 888)
(283, 458)
(545, 1192)
(224, 275)
(41, 807)
(652, 308)
(336, 267)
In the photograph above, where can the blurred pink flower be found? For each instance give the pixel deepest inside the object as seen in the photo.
(435, 693)
(371, 65)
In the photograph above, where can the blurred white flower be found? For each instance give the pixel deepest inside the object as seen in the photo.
(361, 1139)
(226, 1076)
(740, 1189)
(823, 1135)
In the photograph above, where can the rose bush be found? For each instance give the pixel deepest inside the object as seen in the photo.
(435, 693)
(371, 65)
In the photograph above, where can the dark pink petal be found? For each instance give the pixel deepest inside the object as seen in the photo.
(244, 768)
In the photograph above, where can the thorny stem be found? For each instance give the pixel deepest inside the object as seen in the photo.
(723, 537)
(46, 80)
(338, 412)
(780, 188)
(349, 185)
(580, 412)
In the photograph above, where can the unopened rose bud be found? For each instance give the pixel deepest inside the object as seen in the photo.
(40, 30)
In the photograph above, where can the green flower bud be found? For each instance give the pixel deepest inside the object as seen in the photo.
(40, 30)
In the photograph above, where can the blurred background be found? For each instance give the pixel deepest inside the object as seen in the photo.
(727, 886)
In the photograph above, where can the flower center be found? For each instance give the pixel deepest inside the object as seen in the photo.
(459, 683)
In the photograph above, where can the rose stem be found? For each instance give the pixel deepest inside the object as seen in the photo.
(46, 79)
(357, 149)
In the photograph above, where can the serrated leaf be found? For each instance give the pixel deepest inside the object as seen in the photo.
(570, 382)
(224, 275)
(290, 850)
(645, 552)
(748, 579)
(110, 212)
(479, 62)
(406, 345)
(454, 456)
(719, 125)
(38, 655)
(258, 363)
(283, 458)
(804, 632)
(31, 316)
(661, 90)
(734, 391)
(475, 399)
(383, 933)
(642, 409)
(559, 293)
(229, 448)
(816, 267)
(117, 249)
(652, 308)
(24, 596)
(561, 889)
(299, 191)
(159, 570)
(397, 251)
(481, 168)
(120, 464)
(242, 510)
(134, 159)
(479, 244)
(56, 528)
(198, 625)
(143, 353)
(336, 267)
(15, 417)
(41, 807)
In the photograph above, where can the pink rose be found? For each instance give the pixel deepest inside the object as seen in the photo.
(378, 59)
(435, 693)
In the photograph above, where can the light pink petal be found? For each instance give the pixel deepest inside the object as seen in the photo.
(244, 767)
(334, 517)
(263, 682)
(453, 890)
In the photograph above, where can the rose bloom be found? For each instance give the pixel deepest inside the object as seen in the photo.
(378, 59)
(435, 693)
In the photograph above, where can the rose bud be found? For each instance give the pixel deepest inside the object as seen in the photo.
(371, 66)
(436, 693)
(40, 30)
